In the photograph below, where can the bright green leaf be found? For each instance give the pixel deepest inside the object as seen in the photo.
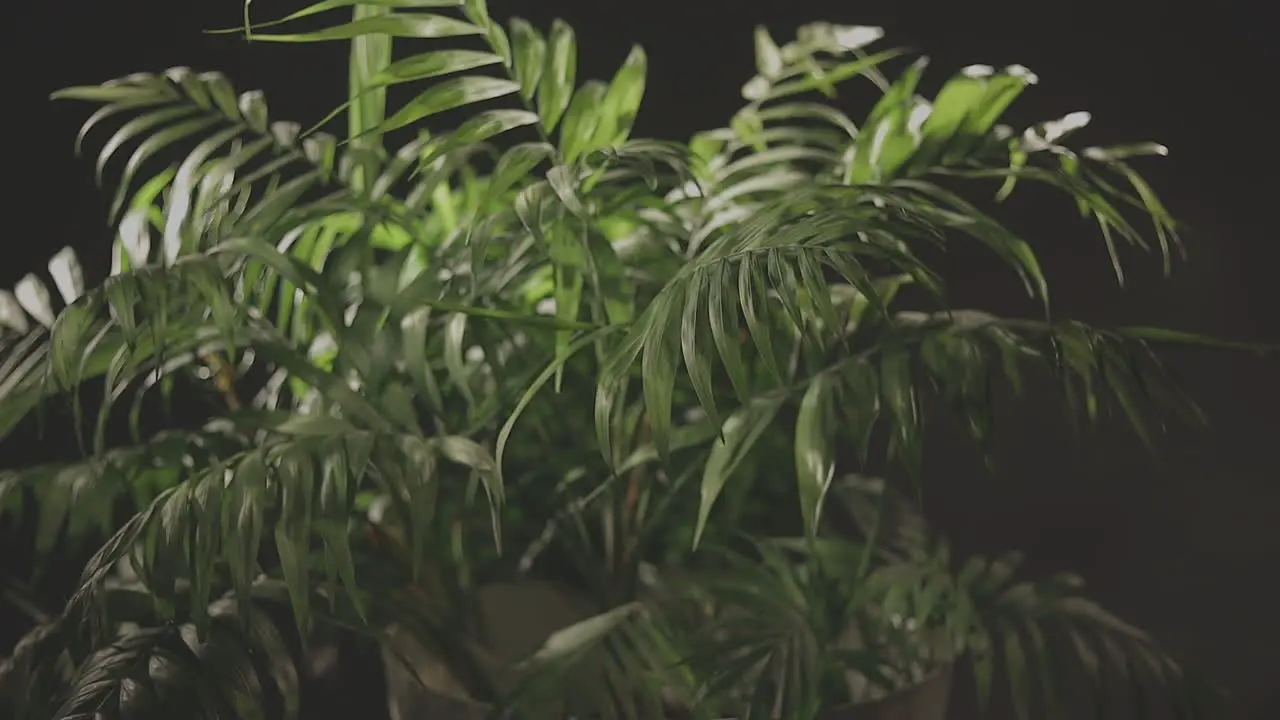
(618, 110)
(418, 25)
(582, 120)
(448, 95)
(529, 51)
(560, 75)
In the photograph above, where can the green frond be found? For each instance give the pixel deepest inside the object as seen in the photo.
(1022, 631)
(1034, 627)
(123, 660)
(77, 500)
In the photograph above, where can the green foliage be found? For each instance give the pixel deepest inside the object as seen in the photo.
(380, 328)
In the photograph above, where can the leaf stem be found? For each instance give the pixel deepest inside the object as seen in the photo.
(224, 379)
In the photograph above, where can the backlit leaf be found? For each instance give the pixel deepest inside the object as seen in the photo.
(530, 56)
(417, 25)
(560, 75)
(448, 95)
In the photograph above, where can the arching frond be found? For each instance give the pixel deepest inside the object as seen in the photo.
(892, 608)
(1030, 628)
(775, 216)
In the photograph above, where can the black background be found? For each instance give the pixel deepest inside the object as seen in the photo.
(1186, 543)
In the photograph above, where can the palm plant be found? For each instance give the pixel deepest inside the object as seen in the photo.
(379, 328)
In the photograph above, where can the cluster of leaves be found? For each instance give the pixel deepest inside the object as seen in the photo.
(789, 627)
(398, 316)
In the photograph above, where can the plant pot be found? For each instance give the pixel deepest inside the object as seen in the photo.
(518, 616)
(925, 701)
(423, 703)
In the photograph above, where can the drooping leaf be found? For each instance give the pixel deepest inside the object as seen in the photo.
(738, 437)
(658, 371)
(504, 435)
(696, 359)
(814, 448)
(465, 451)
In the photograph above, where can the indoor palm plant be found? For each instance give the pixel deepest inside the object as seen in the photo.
(516, 347)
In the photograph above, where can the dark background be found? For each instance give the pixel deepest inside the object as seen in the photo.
(1185, 543)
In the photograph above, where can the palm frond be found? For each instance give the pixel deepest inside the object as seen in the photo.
(125, 658)
(77, 500)
(1034, 627)
(1024, 631)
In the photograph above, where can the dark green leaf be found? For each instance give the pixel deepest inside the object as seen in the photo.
(697, 361)
(504, 435)
(814, 448)
(658, 368)
(737, 438)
